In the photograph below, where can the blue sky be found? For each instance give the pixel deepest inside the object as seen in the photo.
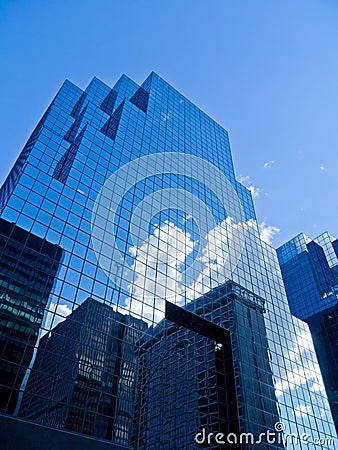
(265, 70)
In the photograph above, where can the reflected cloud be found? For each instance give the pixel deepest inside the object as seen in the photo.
(300, 365)
(55, 314)
(302, 410)
(156, 267)
(158, 263)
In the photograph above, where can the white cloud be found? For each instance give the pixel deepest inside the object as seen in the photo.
(269, 164)
(268, 232)
(246, 181)
(56, 313)
(300, 367)
(317, 387)
(322, 168)
(157, 271)
(158, 265)
(302, 410)
(255, 191)
(219, 256)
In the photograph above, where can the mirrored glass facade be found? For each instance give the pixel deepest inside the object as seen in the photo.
(28, 266)
(167, 317)
(310, 273)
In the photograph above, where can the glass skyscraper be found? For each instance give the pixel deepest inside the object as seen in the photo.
(310, 272)
(137, 188)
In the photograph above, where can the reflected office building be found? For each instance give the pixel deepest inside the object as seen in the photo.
(166, 315)
(310, 273)
(83, 378)
(211, 369)
(28, 266)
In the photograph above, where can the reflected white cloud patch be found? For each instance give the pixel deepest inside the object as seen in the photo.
(157, 271)
(158, 264)
(218, 255)
(300, 366)
(302, 410)
(55, 314)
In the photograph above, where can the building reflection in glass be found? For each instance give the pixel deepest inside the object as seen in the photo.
(28, 266)
(222, 382)
(84, 374)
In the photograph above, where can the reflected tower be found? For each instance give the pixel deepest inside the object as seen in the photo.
(83, 378)
(28, 266)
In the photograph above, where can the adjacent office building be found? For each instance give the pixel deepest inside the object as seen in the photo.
(28, 266)
(136, 185)
(220, 379)
(83, 377)
(310, 272)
